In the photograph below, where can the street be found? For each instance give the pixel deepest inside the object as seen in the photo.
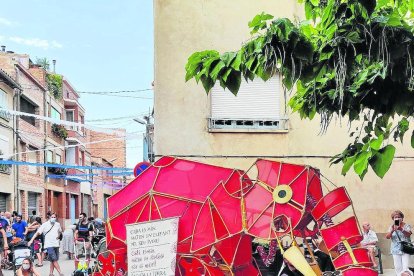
(67, 267)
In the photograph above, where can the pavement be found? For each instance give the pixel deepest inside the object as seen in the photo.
(67, 267)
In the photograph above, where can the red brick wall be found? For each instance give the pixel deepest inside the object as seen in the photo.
(110, 149)
(27, 178)
(23, 203)
(39, 74)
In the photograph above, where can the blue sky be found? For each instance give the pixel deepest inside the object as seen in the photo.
(99, 45)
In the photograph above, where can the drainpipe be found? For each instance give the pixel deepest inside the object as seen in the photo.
(15, 147)
(17, 107)
(45, 109)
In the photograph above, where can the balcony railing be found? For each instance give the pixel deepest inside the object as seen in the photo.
(247, 124)
(5, 115)
(58, 171)
(5, 168)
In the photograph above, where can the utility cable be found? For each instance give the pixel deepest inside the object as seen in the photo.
(57, 121)
(61, 166)
(117, 118)
(114, 92)
(64, 147)
(125, 96)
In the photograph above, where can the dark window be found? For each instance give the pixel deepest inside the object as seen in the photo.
(3, 202)
(31, 202)
(28, 107)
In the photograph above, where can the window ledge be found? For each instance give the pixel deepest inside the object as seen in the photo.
(248, 125)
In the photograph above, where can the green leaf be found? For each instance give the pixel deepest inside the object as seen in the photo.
(315, 2)
(403, 126)
(353, 37)
(394, 21)
(382, 3)
(237, 61)
(208, 83)
(412, 139)
(361, 162)
(382, 160)
(348, 164)
(233, 82)
(226, 74)
(228, 57)
(308, 10)
(369, 5)
(376, 143)
(259, 22)
(216, 71)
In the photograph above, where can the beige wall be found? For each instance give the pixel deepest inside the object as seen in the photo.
(181, 109)
(6, 130)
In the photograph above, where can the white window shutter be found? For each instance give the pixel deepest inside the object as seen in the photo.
(257, 100)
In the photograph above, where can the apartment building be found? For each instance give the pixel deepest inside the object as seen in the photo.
(30, 133)
(8, 90)
(29, 88)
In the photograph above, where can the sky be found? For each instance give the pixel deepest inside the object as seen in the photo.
(98, 45)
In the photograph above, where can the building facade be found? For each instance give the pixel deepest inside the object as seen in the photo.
(108, 150)
(29, 139)
(25, 87)
(8, 91)
(234, 131)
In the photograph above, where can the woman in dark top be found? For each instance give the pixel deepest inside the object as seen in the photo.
(37, 244)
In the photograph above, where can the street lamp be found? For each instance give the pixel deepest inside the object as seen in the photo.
(148, 137)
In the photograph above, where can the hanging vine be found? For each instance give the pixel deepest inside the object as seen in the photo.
(351, 59)
(54, 84)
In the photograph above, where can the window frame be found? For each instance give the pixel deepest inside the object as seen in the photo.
(274, 123)
(29, 120)
(53, 112)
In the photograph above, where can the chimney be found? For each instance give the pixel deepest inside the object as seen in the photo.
(54, 65)
(3, 48)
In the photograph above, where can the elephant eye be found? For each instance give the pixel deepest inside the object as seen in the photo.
(282, 194)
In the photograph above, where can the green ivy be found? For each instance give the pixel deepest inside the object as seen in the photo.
(58, 171)
(351, 59)
(54, 84)
(60, 131)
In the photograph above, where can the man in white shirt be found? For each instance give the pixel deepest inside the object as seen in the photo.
(51, 230)
(369, 242)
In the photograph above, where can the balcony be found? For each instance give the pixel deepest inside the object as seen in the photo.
(5, 115)
(78, 175)
(57, 171)
(76, 134)
(5, 168)
(59, 131)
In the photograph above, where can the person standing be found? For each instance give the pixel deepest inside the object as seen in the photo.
(68, 242)
(14, 215)
(51, 230)
(83, 232)
(19, 226)
(33, 217)
(369, 242)
(3, 245)
(36, 246)
(399, 230)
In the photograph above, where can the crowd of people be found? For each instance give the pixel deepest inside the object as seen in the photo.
(46, 239)
(272, 263)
